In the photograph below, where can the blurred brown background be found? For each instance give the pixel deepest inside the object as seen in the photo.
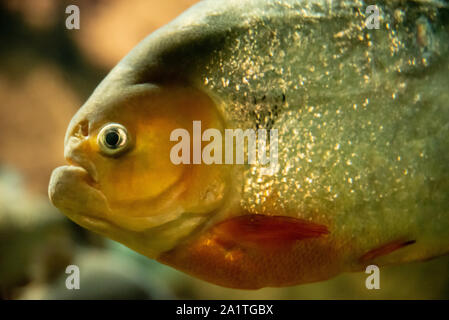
(46, 72)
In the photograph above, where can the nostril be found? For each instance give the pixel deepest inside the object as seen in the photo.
(82, 129)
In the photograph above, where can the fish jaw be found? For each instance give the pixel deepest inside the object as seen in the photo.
(72, 190)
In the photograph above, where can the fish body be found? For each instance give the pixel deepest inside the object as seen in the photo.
(362, 120)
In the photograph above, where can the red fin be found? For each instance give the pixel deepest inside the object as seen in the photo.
(266, 231)
(385, 249)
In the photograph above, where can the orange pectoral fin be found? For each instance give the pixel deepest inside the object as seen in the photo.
(253, 251)
(266, 232)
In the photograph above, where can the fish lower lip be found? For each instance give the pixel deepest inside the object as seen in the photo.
(89, 177)
(71, 189)
(86, 175)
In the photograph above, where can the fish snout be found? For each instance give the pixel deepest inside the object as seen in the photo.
(75, 153)
(77, 128)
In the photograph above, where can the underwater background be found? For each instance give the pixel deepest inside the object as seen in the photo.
(46, 73)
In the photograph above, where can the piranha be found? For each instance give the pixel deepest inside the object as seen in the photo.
(362, 120)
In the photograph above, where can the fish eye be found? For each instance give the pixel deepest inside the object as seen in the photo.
(113, 139)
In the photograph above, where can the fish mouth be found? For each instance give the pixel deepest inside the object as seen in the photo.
(74, 192)
(92, 176)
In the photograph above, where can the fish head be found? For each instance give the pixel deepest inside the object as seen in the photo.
(120, 180)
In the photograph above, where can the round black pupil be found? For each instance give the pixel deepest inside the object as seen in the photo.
(112, 138)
